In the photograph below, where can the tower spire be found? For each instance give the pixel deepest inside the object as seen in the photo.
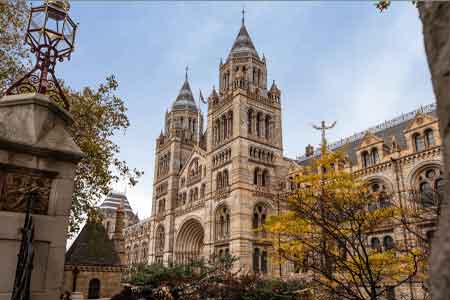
(186, 75)
(243, 15)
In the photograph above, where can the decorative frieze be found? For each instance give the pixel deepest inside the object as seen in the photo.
(17, 182)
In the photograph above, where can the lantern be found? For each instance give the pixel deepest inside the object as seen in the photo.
(51, 36)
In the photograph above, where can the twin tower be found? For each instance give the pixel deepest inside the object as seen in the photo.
(214, 184)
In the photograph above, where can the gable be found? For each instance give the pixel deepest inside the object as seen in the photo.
(420, 120)
(197, 153)
(368, 140)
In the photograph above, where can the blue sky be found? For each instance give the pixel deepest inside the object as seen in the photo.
(339, 61)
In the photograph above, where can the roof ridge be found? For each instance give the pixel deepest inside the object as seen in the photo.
(374, 129)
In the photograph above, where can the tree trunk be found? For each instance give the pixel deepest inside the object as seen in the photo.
(435, 18)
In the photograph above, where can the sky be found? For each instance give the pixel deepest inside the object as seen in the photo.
(342, 61)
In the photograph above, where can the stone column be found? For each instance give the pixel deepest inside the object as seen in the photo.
(435, 18)
(36, 151)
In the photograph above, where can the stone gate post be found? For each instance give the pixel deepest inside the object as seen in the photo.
(36, 152)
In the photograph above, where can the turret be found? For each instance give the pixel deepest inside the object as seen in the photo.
(118, 239)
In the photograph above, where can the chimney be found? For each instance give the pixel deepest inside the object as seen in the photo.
(309, 150)
(118, 239)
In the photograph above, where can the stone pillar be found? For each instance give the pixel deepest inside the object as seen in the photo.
(435, 18)
(36, 151)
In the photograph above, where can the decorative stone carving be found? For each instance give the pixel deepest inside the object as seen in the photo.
(16, 182)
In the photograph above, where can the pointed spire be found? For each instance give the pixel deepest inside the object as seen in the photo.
(185, 98)
(243, 45)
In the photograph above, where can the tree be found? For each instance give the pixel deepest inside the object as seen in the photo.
(215, 280)
(326, 232)
(98, 114)
(14, 57)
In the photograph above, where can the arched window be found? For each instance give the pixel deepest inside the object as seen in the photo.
(259, 260)
(374, 156)
(195, 194)
(265, 178)
(256, 176)
(202, 191)
(388, 242)
(219, 180)
(429, 137)
(375, 243)
(380, 196)
(225, 178)
(162, 206)
(222, 223)
(419, 144)
(159, 244)
(144, 253)
(250, 121)
(264, 261)
(365, 158)
(431, 186)
(258, 124)
(426, 194)
(256, 260)
(267, 122)
(94, 289)
(259, 216)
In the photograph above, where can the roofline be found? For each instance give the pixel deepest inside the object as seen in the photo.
(380, 127)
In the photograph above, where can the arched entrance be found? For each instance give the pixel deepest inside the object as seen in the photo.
(189, 243)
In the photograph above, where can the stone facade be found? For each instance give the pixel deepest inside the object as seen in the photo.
(108, 210)
(213, 187)
(95, 262)
(37, 153)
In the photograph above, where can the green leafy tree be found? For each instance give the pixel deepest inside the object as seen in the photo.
(216, 280)
(98, 115)
(14, 57)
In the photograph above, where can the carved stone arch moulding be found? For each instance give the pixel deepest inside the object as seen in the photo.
(389, 185)
(412, 176)
(17, 182)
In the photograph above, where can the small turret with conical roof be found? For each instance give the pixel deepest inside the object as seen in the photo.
(118, 239)
(243, 68)
(185, 99)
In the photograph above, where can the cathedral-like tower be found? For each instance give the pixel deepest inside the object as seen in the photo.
(212, 189)
(245, 154)
(182, 132)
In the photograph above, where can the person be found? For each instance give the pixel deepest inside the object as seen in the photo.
(125, 294)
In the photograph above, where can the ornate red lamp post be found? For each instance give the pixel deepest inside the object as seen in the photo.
(51, 36)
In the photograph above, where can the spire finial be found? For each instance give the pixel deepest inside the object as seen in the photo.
(243, 15)
(187, 69)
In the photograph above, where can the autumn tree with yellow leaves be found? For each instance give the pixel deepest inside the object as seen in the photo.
(325, 232)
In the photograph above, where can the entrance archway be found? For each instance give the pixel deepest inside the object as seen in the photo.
(189, 243)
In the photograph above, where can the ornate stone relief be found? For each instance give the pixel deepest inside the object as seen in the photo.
(16, 183)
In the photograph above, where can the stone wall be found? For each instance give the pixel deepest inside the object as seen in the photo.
(435, 17)
(110, 278)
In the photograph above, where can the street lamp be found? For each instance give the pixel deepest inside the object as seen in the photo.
(51, 36)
